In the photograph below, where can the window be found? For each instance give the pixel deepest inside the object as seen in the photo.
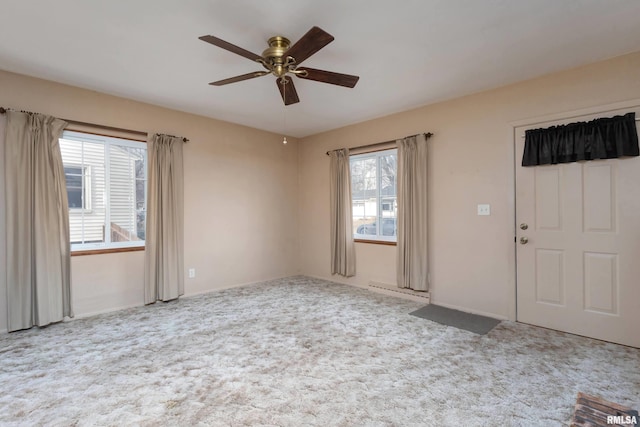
(373, 194)
(78, 186)
(107, 190)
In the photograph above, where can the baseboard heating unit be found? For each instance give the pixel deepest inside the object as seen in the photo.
(390, 289)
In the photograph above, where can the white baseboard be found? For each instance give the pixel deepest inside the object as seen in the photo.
(422, 300)
(95, 313)
(85, 315)
(237, 285)
(381, 288)
(335, 279)
(124, 307)
(394, 288)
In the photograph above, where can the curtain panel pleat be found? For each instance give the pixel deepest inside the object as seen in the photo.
(412, 248)
(164, 243)
(37, 222)
(604, 138)
(343, 251)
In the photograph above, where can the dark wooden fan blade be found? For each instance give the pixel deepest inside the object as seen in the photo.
(240, 78)
(230, 47)
(330, 77)
(310, 43)
(288, 91)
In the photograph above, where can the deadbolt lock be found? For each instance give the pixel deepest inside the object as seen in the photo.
(523, 226)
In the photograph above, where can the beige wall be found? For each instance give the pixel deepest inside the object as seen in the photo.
(471, 162)
(255, 209)
(240, 196)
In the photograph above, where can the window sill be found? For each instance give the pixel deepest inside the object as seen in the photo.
(376, 242)
(107, 251)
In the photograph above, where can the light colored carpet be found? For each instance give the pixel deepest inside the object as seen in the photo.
(301, 352)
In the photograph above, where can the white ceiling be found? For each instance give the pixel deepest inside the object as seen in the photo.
(407, 53)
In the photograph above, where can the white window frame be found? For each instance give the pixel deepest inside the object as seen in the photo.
(107, 141)
(86, 188)
(379, 214)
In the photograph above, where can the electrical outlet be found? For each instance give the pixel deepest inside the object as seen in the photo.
(484, 209)
(192, 273)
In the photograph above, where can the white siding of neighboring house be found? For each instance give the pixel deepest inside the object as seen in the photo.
(92, 156)
(121, 188)
(370, 208)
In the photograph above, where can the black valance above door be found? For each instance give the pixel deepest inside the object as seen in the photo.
(605, 138)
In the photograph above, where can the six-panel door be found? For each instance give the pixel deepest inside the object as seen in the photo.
(579, 270)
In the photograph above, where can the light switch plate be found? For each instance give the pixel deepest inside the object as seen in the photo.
(192, 273)
(484, 209)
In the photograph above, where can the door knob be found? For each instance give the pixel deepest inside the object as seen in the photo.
(523, 226)
(524, 240)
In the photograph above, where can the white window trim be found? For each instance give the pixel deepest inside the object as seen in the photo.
(107, 141)
(86, 189)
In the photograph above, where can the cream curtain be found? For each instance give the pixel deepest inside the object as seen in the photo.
(164, 263)
(37, 222)
(412, 261)
(343, 251)
(3, 238)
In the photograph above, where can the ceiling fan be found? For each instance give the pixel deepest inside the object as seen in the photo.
(281, 59)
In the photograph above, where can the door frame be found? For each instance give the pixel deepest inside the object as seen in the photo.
(513, 140)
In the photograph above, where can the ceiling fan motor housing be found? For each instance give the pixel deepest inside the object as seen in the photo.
(273, 55)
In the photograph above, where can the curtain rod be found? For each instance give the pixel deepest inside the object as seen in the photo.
(112, 128)
(427, 134)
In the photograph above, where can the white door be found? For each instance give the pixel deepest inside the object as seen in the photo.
(578, 244)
